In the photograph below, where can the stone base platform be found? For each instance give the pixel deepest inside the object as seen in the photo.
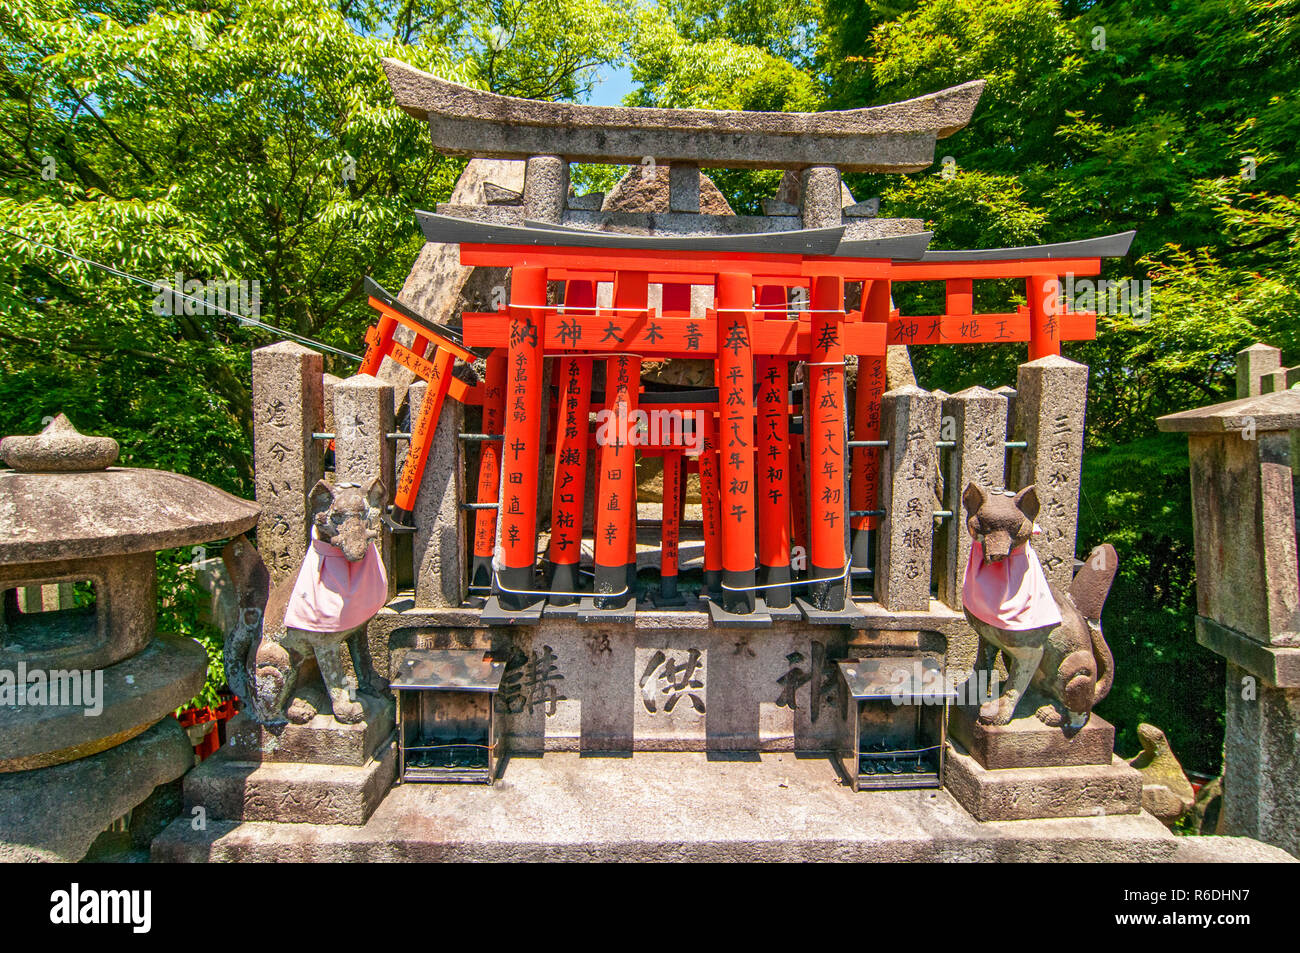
(688, 807)
(1018, 794)
(1028, 743)
(289, 792)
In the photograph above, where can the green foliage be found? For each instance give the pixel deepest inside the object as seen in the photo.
(183, 610)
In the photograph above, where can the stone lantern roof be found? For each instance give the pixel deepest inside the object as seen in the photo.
(1279, 410)
(64, 500)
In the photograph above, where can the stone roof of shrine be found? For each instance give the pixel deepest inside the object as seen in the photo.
(1279, 410)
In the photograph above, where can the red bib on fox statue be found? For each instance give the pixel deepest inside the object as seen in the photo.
(1011, 593)
(333, 594)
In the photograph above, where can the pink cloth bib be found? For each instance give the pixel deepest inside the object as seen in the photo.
(1009, 594)
(334, 595)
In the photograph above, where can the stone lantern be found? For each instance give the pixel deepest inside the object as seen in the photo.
(1248, 590)
(86, 683)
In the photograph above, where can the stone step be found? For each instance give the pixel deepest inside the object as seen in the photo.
(1017, 794)
(292, 793)
(685, 806)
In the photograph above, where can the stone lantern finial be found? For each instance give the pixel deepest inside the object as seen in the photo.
(59, 448)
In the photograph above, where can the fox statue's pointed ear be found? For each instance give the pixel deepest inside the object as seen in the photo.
(972, 499)
(376, 494)
(1027, 501)
(320, 499)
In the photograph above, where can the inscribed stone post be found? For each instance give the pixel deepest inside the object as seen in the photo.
(1051, 395)
(977, 419)
(440, 528)
(287, 410)
(909, 420)
(363, 415)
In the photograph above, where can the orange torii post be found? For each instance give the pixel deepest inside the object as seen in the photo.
(864, 481)
(798, 493)
(735, 364)
(489, 469)
(615, 525)
(772, 468)
(568, 490)
(1043, 293)
(773, 473)
(521, 455)
(827, 445)
(674, 499)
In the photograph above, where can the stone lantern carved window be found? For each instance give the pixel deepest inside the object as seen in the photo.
(46, 614)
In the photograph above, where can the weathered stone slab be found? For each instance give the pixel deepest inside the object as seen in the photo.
(1051, 397)
(289, 793)
(55, 813)
(1275, 666)
(287, 410)
(441, 528)
(694, 807)
(1028, 743)
(976, 419)
(363, 413)
(1243, 514)
(323, 740)
(1018, 794)
(909, 420)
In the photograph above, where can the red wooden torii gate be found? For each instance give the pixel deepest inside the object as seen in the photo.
(745, 466)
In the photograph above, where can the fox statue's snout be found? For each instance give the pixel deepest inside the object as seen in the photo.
(344, 518)
(1001, 523)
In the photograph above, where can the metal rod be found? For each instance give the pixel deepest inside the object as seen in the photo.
(481, 436)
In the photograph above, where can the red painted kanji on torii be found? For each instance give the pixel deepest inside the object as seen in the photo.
(746, 466)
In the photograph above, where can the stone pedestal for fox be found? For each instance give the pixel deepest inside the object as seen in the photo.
(1035, 749)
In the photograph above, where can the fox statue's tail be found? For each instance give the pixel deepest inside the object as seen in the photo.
(251, 582)
(1088, 592)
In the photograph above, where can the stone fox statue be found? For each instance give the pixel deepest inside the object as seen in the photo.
(305, 622)
(1050, 639)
